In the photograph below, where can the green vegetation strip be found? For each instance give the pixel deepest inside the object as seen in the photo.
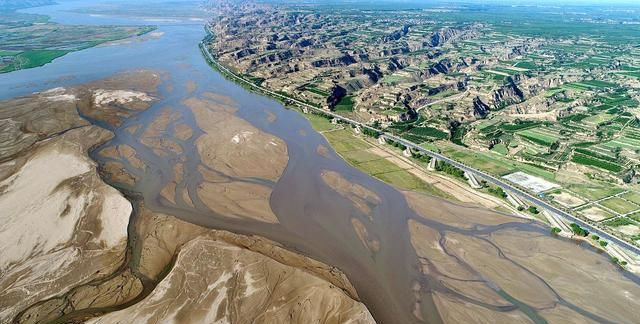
(33, 58)
(591, 161)
(354, 150)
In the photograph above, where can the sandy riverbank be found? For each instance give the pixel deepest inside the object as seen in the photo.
(78, 260)
(70, 225)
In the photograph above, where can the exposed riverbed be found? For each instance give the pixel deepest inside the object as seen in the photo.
(415, 259)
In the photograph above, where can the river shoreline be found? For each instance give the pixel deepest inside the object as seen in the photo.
(399, 250)
(300, 108)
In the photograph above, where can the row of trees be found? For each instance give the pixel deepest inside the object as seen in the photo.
(449, 169)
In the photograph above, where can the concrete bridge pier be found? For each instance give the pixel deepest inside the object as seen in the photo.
(558, 221)
(471, 179)
(515, 201)
(432, 164)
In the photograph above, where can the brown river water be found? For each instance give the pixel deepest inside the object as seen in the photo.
(397, 283)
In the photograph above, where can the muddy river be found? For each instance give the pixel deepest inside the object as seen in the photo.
(507, 269)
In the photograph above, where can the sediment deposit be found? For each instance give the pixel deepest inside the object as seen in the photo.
(85, 254)
(62, 227)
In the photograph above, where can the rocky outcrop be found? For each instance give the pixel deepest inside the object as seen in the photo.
(396, 64)
(445, 35)
(243, 53)
(273, 57)
(394, 51)
(508, 94)
(343, 60)
(374, 74)
(396, 35)
(442, 67)
(337, 93)
(480, 109)
(304, 43)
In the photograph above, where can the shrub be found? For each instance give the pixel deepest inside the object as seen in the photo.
(576, 229)
(498, 192)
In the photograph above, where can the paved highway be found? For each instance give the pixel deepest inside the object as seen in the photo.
(496, 181)
(521, 193)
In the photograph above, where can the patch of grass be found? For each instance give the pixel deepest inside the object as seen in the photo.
(9, 53)
(378, 166)
(500, 148)
(595, 155)
(632, 196)
(520, 126)
(345, 104)
(356, 157)
(599, 119)
(32, 58)
(620, 221)
(314, 89)
(595, 192)
(320, 123)
(353, 150)
(619, 205)
(343, 141)
(407, 181)
(493, 163)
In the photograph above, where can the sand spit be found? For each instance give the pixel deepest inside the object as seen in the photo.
(559, 263)
(238, 160)
(219, 276)
(125, 152)
(155, 135)
(471, 273)
(238, 199)
(107, 101)
(252, 153)
(363, 234)
(102, 97)
(457, 311)
(361, 197)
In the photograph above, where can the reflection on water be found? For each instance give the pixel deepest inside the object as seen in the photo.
(313, 218)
